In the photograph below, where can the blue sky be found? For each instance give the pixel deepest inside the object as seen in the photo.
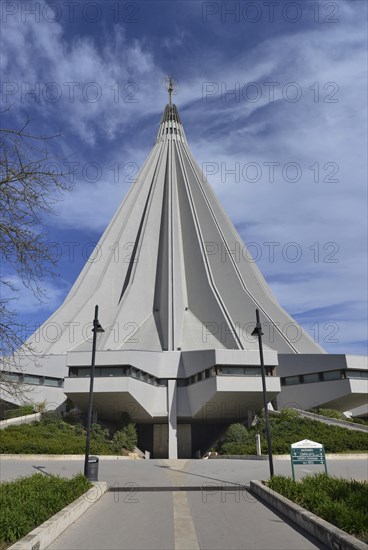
(272, 96)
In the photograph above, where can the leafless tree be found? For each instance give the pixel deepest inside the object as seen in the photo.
(28, 191)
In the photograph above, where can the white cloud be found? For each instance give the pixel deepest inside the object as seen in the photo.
(23, 300)
(76, 76)
(305, 132)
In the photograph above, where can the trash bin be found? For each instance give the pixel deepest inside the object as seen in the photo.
(93, 468)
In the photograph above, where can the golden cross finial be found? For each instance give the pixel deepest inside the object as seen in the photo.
(171, 87)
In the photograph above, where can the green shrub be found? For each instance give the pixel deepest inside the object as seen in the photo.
(339, 501)
(238, 449)
(29, 501)
(125, 439)
(79, 430)
(330, 413)
(20, 411)
(99, 434)
(288, 414)
(236, 433)
(48, 438)
(51, 417)
(238, 441)
(286, 429)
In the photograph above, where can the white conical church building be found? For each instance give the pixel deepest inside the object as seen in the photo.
(177, 303)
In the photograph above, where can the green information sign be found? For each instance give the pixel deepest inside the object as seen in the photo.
(307, 452)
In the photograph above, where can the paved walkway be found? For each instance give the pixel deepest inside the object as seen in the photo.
(149, 473)
(182, 505)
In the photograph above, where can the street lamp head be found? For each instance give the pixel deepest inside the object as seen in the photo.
(97, 327)
(257, 330)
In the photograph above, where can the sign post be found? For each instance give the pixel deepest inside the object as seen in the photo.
(307, 452)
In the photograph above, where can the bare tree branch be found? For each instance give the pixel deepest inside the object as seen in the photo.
(28, 191)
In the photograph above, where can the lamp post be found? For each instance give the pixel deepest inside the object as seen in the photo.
(96, 328)
(258, 331)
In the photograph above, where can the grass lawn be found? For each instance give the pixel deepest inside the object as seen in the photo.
(339, 501)
(29, 501)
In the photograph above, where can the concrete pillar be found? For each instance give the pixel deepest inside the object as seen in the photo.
(172, 418)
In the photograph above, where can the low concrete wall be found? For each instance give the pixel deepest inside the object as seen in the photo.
(326, 533)
(333, 421)
(239, 457)
(41, 537)
(66, 457)
(26, 419)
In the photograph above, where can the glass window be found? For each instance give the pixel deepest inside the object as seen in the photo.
(332, 375)
(84, 372)
(357, 374)
(12, 376)
(52, 381)
(31, 379)
(232, 370)
(111, 371)
(207, 373)
(291, 380)
(253, 371)
(309, 378)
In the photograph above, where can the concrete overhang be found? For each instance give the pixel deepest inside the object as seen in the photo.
(341, 395)
(225, 397)
(295, 364)
(113, 396)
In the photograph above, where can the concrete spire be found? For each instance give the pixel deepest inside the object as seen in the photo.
(169, 275)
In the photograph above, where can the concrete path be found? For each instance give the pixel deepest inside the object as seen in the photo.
(150, 473)
(180, 504)
(212, 512)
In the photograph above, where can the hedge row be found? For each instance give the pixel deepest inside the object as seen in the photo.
(29, 501)
(338, 501)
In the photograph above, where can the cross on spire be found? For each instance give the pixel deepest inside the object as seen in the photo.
(170, 87)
